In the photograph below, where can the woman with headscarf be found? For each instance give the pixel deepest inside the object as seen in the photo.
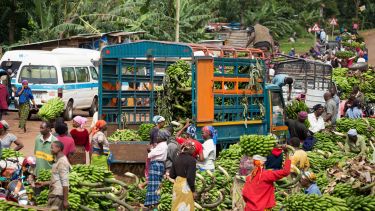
(259, 190)
(209, 135)
(100, 145)
(159, 122)
(183, 172)
(25, 95)
(81, 139)
(157, 156)
(6, 139)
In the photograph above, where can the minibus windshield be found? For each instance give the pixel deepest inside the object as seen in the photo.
(38, 74)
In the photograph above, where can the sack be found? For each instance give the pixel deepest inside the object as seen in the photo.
(309, 143)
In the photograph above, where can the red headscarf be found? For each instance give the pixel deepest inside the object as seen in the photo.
(98, 126)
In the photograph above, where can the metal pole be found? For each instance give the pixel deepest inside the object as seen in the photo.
(333, 29)
(177, 20)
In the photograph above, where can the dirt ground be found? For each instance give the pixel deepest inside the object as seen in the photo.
(28, 138)
(370, 42)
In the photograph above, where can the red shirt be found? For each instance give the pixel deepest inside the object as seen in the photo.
(69, 146)
(81, 138)
(259, 193)
(198, 145)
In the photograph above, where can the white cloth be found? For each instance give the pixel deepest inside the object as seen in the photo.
(159, 153)
(316, 125)
(361, 60)
(94, 119)
(209, 154)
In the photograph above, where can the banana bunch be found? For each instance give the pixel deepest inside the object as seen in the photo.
(257, 144)
(44, 175)
(344, 125)
(74, 201)
(166, 196)
(42, 198)
(343, 190)
(144, 131)
(234, 152)
(93, 174)
(10, 153)
(359, 203)
(52, 109)
(327, 142)
(124, 135)
(320, 161)
(12, 206)
(294, 108)
(314, 202)
(322, 180)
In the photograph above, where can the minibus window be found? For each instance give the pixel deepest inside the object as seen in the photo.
(82, 74)
(94, 74)
(38, 74)
(68, 74)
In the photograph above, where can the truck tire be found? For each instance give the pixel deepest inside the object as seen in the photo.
(94, 106)
(68, 113)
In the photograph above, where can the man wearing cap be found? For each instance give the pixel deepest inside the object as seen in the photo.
(308, 181)
(355, 143)
(259, 190)
(316, 120)
(297, 127)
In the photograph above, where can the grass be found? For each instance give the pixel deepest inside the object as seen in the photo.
(302, 45)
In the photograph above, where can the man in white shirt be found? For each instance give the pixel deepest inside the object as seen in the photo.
(316, 120)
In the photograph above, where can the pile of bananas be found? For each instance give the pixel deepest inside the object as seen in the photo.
(234, 152)
(52, 109)
(144, 131)
(361, 125)
(327, 141)
(166, 196)
(12, 206)
(294, 108)
(90, 187)
(314, 202)
(359, 203)
(124, 135)
(321, 161)
(343, 190)
(10, 153)
(257, 144)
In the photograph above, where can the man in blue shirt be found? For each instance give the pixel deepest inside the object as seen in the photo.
(308, 181)
(25, 95)
(281, 80)
(323, 36)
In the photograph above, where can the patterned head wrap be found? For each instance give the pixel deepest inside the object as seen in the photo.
(309, 175)
(163, 135)
(212, 131)
(80, 120)
(158, 119)
(98, 126)
(192, 131)
(25, 82)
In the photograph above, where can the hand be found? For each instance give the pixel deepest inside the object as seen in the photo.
(40, 184)
(195, 195)
(66, 204)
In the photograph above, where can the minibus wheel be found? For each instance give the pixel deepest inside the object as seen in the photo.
(68, 113)
(94, 106)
